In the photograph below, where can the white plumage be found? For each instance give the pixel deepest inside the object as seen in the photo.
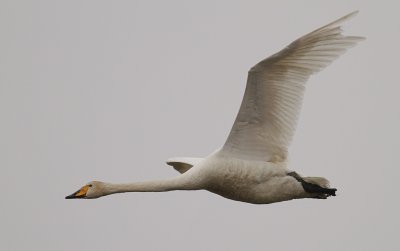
(251, 166)
(267, 117)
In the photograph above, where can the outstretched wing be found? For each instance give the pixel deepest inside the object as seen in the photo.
(267, 118)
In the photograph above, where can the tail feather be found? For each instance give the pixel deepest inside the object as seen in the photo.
(318, 185)
(320, 181)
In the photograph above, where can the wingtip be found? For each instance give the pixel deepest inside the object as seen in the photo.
(353, 13)
(348, 16)
(340, 21)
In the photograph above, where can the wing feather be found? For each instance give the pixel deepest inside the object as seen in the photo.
(265, 124)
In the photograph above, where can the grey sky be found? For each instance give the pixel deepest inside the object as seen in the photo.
(108, 90)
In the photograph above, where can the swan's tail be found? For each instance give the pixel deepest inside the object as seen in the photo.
(320, 181)
(318, 187)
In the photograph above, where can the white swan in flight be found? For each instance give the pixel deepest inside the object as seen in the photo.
(251, 166)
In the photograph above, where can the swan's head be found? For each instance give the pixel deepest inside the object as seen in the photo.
(91, 190)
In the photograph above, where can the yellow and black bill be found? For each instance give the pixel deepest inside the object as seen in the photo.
(80, 194)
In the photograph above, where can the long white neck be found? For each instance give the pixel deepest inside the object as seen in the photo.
(178, 183)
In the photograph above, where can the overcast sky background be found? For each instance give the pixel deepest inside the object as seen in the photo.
(108, 90)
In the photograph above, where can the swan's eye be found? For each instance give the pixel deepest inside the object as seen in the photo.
(90, 185)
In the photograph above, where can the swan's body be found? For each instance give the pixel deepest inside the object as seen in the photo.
(251, 166)
(257, 182)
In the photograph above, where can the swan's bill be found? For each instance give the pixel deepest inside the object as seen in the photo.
(80, 194)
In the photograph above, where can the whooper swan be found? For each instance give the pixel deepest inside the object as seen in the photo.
(251, 166)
